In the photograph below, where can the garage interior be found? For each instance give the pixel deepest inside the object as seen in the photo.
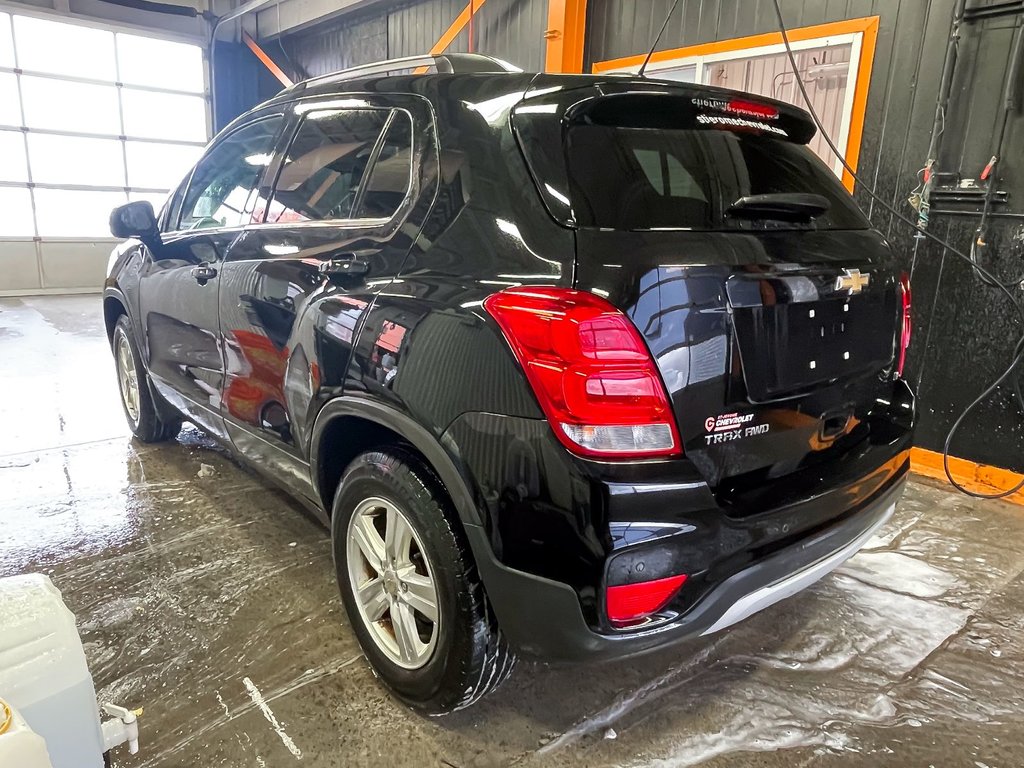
(208, 597)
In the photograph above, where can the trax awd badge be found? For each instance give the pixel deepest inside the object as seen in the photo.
(731, 426)
(852, 281)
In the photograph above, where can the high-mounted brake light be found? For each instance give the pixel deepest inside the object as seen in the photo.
(906, 323)
(630, 603)
(753, 108)
(590, 370)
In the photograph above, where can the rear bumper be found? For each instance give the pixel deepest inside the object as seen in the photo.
(543, 618)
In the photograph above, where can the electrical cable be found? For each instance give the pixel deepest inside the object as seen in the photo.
(988, 175)
(1018, 354)
(298, 73)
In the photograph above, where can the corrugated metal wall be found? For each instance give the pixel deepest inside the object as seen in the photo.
(414, 28)
(964, 330)
(510, 29)
(337, 45)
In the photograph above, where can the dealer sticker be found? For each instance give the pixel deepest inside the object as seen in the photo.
(732, 426)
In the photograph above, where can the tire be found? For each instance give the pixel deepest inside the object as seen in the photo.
(133, 383)
(461, 656)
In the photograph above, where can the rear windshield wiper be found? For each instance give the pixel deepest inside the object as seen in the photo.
(781, 206)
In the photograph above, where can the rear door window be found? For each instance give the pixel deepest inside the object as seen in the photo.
(344, 164)
(388, 182)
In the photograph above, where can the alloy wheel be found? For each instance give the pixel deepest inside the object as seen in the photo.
(392, 582)
(128, 378)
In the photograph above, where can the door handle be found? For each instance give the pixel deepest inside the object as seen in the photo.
(342, 268)
(204, 272)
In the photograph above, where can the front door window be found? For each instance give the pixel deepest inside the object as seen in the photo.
(222, 186)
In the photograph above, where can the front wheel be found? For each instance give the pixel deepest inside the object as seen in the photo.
(410, 587)
(136, 399)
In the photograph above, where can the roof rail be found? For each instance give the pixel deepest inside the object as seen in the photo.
(446, 63)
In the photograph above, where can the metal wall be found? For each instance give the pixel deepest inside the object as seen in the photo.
(510, 29)
(964, 331)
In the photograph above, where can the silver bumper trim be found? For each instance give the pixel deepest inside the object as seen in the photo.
(761, 598)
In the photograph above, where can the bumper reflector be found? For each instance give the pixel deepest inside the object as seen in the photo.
(629, 603)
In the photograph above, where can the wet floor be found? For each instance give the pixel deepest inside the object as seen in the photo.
(208, 598)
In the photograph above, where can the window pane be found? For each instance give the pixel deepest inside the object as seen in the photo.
(10, 110)
(159, 165)
(389, 179)
(74, 160)
(12, 156)
(68, 213)
(636, 178)
(6, 48)
(160, 63)
(64, 49)
(68, 106)
(16, 219)
(163, 115)
(325, 164)
(221, 185)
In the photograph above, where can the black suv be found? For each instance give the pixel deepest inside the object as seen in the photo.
(572, 366)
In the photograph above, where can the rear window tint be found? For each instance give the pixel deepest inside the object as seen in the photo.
(686, 178)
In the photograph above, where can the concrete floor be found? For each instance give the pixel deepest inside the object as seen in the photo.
(195, 596)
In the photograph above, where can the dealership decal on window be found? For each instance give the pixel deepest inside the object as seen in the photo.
(738, 122)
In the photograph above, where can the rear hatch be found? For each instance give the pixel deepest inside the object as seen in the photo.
(769, 304)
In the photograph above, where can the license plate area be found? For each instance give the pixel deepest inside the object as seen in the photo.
(796, 332)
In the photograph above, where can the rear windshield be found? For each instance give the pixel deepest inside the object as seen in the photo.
(686, 178)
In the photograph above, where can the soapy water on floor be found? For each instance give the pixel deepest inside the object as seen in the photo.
(849, 654)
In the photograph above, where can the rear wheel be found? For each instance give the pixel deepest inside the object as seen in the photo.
(139, 410)
(410, 587)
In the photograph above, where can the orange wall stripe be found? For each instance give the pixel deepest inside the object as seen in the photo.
(980, 478)
(867, 26)
(268, 62)
(453, 30)
(565, 35)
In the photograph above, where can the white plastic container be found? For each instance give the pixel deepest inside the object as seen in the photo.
(43, 671)
(20, 747)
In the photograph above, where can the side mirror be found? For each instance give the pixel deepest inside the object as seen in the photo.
(135, 220)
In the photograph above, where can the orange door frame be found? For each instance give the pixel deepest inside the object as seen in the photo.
(867, 26)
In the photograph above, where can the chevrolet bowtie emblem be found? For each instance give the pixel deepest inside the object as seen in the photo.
(852, 281)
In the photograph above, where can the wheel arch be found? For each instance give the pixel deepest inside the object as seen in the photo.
(114, 305)
(378, 424)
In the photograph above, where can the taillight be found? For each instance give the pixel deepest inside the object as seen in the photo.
(590, 370)
(630, 603)
(906, 325)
